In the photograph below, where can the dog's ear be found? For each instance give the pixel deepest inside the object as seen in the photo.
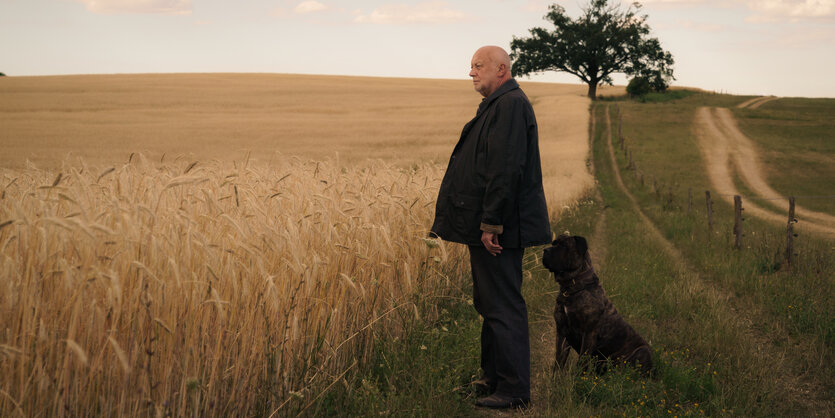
(581, 245)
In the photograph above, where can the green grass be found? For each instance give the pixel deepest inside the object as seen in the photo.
(426, 373)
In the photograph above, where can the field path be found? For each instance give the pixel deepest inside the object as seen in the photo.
(723, 147)
(756, 102)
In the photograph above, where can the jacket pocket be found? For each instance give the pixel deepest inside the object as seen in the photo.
(467, 202)
(467, 214)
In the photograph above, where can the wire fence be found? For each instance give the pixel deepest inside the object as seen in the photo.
(747, 197)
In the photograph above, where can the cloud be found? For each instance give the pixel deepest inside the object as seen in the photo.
(805, 39)
(792, 10)
(167, 7)
(693, 26)
(279, 12)
(671, 1)
(685, 2)
(537, 6)
(309, 6)
(767, 10)
(433, 12)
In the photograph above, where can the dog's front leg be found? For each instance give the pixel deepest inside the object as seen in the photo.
(562, 350)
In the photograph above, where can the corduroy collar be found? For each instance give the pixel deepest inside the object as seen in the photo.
(504, 88)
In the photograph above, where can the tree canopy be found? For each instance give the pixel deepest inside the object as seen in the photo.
(605, 39)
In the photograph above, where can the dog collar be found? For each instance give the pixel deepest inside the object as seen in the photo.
(583, 276)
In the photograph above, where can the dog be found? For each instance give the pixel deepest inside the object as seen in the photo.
(586, 320)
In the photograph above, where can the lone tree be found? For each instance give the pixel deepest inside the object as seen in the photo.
(605, 39)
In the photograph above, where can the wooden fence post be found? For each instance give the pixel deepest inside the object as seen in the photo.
(790, 233)
(737, 221)
(709, 214)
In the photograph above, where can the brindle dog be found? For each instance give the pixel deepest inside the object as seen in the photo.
(586, 320)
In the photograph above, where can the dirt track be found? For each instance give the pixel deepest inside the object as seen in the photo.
(726, 149)
(756, 102)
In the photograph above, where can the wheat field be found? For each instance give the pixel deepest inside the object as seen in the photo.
(227, 244)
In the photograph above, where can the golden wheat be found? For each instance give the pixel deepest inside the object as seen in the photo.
(146, 289)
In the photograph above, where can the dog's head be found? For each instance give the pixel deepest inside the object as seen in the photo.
(566, 253)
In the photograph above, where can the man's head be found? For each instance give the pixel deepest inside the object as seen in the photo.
(490, 68)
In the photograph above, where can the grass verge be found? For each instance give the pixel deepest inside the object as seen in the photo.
(425, 373)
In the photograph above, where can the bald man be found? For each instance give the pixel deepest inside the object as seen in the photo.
(492, 200)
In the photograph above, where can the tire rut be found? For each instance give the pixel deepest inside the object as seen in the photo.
(756, 102)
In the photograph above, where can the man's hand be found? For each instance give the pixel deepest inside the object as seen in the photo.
(491, 243)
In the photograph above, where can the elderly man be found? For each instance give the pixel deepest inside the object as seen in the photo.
(491, 199)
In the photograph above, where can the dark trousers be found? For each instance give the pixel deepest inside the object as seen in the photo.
(497, 296)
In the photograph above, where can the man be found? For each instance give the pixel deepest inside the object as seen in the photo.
(491, 199)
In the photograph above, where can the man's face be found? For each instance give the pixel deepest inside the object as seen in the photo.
(485, 74)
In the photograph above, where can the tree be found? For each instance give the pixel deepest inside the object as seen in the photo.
(638, 86)
(604, 40)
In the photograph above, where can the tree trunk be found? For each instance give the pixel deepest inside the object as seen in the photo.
(593, 90)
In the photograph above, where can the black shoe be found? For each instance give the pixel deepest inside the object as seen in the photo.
(483, 386)
(497, 401)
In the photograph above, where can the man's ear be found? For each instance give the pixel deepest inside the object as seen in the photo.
(503, 69)
(581, 245)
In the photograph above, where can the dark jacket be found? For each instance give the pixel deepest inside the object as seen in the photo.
(493, 181)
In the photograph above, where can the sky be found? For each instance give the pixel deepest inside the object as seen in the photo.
(745, 47)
